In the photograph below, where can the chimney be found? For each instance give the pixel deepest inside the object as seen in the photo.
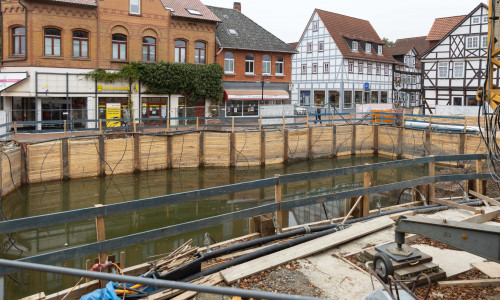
(237, 6)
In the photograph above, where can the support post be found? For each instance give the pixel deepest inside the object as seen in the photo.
(399, 153)
(366, 198)
(332, 120)
(100, 126)
(465, 125)
(432, 186)
(404, 119)
(88, 266)
(353, 140)
(169, 151)
(262, 148)
(65, 158)
(430, 122)
(65, 126)
(137, 153)
(168, 121)
(284, 123)
(134, 124)
(285, 146)
(309, 144)
(232, 124)
(479, 182)
(427, 145)
(232, 149)
(307, 120)
(101, 234)
(201, 152)
(15, 130)
(375, 139)
(102, 156)
(461, 148)
(122, 260)
(260, 123)
(197, 123)
(278, 197)
(334, 140)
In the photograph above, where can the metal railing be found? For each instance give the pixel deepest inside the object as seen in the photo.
(17, 225)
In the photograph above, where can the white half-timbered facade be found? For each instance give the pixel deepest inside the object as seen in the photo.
(453, 69)
(343, 64)
(407, 83)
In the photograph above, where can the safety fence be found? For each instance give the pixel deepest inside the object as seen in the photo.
(279, 206)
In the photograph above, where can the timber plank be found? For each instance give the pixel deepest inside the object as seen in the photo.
(490, 268)
(479, 282)
(305, 249)
(484, 198)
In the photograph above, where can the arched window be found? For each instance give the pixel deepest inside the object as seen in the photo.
(148, 48)
(249, 64)
(280, 65)
(266, 64)
(119, 45)
(80, 43)
(229, 63)
(199, 53)
(180, 51)
(19, 41)
(52, 42)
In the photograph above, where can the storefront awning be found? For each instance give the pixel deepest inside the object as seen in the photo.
(8, 79)
(255, 95)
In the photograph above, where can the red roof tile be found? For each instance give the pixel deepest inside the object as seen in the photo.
(402, 46)
(340, 27)
(180, 7)
(442, 26)
(293, 45)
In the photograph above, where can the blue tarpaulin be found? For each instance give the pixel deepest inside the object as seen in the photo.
(107, 293)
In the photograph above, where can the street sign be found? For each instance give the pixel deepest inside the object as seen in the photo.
(367, 85)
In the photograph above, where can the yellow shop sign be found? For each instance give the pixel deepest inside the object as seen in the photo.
(101, 88)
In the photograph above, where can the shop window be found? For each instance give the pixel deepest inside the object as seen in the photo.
(19, 41)
(472, 101)
(103, 101)
(374, 97)
(280, 65)
(237, 108)
(334, 98)
(229, 63)
(266, 64)
(249, 64)
(80, 43)
(347, 99)
(148, 48)
(457, 101)
(199, 53)
(180, 51)
(119, 46)
(383, 97)
(154, 110)
(52, 42)
(358, 97)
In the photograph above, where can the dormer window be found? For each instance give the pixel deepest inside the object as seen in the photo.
(379, 52)
(368, 48)
(193, 11)
(233, 32)
(135, 7)
(354, 46)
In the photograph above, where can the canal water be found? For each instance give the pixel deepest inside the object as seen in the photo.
(51, 197)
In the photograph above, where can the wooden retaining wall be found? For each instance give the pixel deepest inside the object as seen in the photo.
(118, 154)
(8, 182)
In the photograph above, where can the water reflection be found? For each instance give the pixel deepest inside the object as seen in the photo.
(76, 194)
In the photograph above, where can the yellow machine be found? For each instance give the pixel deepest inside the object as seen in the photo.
(492, 94)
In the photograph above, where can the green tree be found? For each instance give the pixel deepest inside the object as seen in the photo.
(387, 42)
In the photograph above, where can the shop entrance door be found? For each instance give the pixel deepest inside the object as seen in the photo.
(152, 113)
(54, 110)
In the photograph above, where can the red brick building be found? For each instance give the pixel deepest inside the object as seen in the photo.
(48, 46)
(257, 65)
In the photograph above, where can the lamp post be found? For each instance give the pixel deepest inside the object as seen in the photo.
(263, 78)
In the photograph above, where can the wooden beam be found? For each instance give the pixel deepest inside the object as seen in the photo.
(278, 197)
(483, 217)
(101, 235)
(366, 198)
(432, 186)
(484, 198)
(476, 282)
(305, 249)
(457, 205)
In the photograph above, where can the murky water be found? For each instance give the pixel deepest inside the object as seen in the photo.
(61, 196)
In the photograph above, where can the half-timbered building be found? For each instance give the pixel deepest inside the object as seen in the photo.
(453, 68)
(342, 64)
(407, 72)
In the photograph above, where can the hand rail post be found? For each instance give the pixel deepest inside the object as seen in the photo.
(278, 197)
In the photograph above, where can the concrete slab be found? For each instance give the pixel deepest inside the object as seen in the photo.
(337, 279)
(490, 268)
(453, 262)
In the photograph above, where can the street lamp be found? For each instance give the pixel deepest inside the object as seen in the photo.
(263, 78)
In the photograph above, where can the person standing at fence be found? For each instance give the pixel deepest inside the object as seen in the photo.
(318, 115)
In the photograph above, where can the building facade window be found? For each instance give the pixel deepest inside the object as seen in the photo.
(148, 48)
(369, 69)
(360, 67)
(475, 20)
(119, 46)
(52, 42)
(80, 43)
(315, 25)
(249, 64)
(350, 67)
(458, 69)
(309, 47)
(484, 41)
(180, 51)
(443, 70)
(314, 68)
(321, 46)
(266, 64)
(326, 67)
(19, 41)
(229, 63)
(304, 69)
(379, 50)
(354, 46)
(200, 50)
(472, 42)
(386, 70)
(280, 65)
(368, 48)
(377, 69)
(135, 7)
(485, 19)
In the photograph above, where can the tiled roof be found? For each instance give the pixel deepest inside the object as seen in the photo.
(294, 45)
(78, 2)
(402, 46)
(343, 27)
(246, 34)
(442, 26)
(180, 9)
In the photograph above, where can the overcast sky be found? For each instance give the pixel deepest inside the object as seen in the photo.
(393, 19)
